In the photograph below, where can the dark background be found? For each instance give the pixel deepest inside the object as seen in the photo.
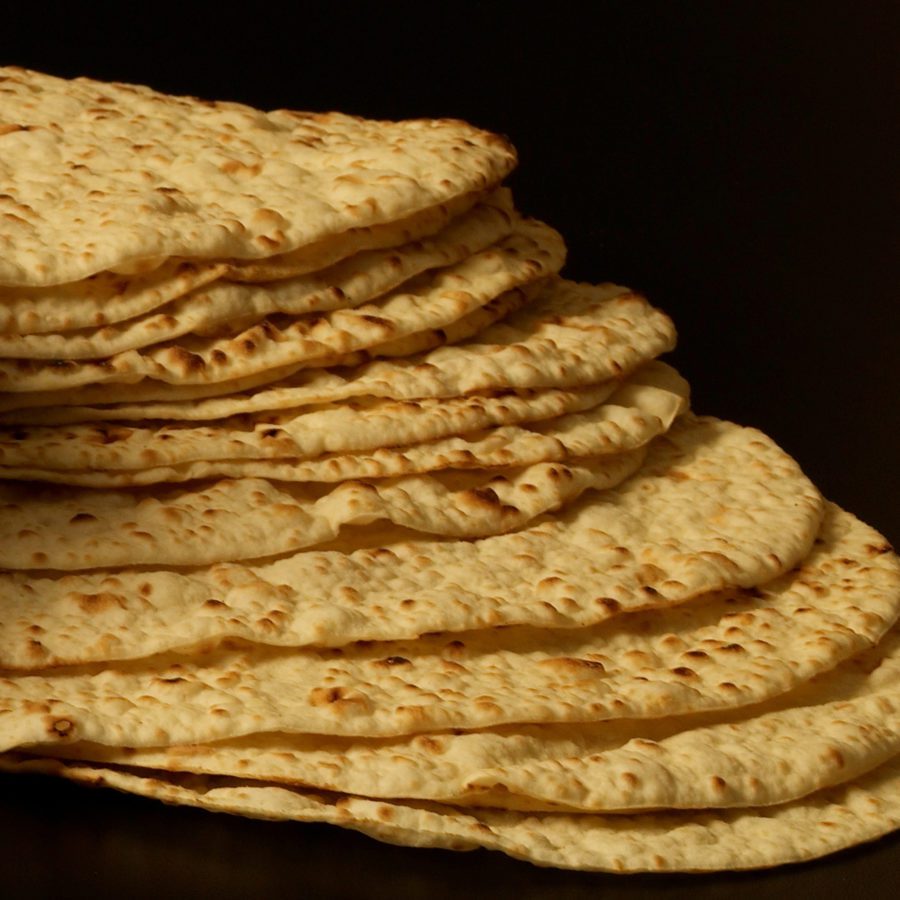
(735, 161)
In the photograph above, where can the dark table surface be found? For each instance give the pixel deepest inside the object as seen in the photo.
(736, 162)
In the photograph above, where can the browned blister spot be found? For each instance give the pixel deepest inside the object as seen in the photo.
(610, 606)
(684, 672)
(572, 664)
(96, 603)
(429, 743)
(36, 650)
(59, 727)
(82, 517)
(835, 757)
(391, 661)
(878, 549)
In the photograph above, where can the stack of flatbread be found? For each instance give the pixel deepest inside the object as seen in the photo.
(325, 497)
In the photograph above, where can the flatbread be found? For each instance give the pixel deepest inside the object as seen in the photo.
(250, 518)
(99, 300)
(313, 257)
(431, 302)
(824, 823)
(570, 335)
(728, 651)
(363, 424)
(345, 285)
(714, 506)
(834, 728)
(643, 407)
(105, 176)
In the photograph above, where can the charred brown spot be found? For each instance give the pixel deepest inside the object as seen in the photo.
(212, 603)
(684, 672)
(59, 727)
(836, 757)
(611, 606)
(395, 661)
(320, 696)
(82, 517)
(485, 495)
(191, 362)
(696, 654)
(719, 784)
(548, 582)
(91, 603)
(107, 436)
(878, 549)
(573, 664)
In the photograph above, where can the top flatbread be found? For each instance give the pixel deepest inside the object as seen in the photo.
(98, 176)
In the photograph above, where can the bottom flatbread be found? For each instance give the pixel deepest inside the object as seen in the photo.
(823, 823)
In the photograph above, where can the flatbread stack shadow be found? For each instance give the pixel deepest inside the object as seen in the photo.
(325, 497)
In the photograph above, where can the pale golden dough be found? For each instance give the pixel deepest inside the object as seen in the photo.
(250, 518)
(570, 335)
(826, 822)
(430, 302)
(344, 285)
(835, 727)
(627, 415)
(714, 506)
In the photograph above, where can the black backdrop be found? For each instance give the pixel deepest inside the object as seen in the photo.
(735, 161)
